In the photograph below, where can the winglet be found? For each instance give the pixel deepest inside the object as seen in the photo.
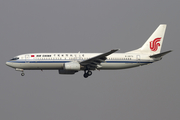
(115, 50)
(112, 51)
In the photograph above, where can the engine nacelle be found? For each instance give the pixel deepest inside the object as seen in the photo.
(72, 66)
(67, 72)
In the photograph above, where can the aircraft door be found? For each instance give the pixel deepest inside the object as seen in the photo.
(138, 58)
(80, 58)
(26, 58)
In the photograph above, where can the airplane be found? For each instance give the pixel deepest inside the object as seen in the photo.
(70, 63)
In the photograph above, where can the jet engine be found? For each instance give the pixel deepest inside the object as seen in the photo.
(72, 66)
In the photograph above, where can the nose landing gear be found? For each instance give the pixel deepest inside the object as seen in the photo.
(21, 70)
(22, 74)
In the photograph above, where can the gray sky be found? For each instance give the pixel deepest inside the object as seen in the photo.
(145, 93)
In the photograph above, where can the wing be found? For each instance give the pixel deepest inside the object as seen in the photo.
(95, 61)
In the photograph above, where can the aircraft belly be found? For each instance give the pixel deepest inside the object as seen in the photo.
(40, 65)
(118, 65)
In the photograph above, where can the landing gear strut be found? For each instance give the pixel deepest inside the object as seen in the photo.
(21, 70)
(87, 73)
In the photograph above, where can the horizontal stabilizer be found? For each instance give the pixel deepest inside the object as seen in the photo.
(160, 54)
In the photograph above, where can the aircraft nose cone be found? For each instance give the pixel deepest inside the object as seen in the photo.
(8, 63)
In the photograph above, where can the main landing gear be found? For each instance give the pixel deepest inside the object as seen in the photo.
(87, 73)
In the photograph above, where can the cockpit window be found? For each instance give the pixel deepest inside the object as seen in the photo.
(15, 58)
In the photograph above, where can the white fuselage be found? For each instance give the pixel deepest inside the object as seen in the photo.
(41, 61)
(70, 63)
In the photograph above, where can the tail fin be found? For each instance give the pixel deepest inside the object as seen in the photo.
(154, 43)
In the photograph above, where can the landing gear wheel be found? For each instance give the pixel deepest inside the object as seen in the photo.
(22, 74)
(89, 73)
(85, 75)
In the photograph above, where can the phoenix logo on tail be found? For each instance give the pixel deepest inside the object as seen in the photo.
(154, 45)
